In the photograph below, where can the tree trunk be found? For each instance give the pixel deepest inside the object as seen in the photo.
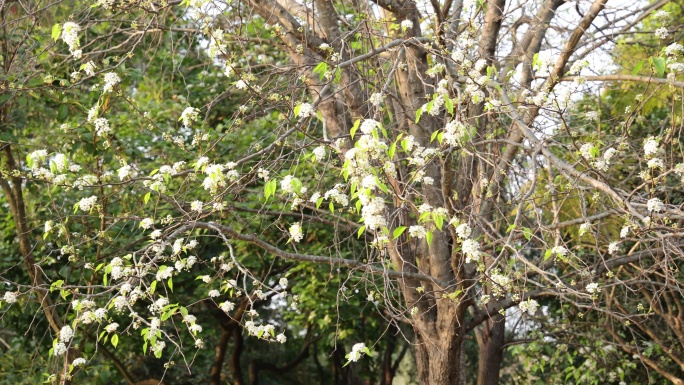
(215, 374)
(490, 340)
(235, 357)
(439, 361)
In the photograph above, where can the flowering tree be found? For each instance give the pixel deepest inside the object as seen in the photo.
(428, 155)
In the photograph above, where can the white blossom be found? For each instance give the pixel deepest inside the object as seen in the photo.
(147, 223)
(376, 99)
(305, 110)
(59, 349)
(69, 35)
(296, 232)
(463, 231)
(60, 162)
(196, 206)
(189, 115)
(283, 283)
(529, 306)
(195, 328)
(110, 80)
(368, 126)
(158, 346)
(406, 24)
(613, 247)
(66, 334)
(281, 338)
(227, 306)
(654, 204)
(650, 146)
(111, 328)
(87, 204)
(560, 251)
(89, 68)
(661, 33)
(357, 351)
(584, 227)
(125, 172)
(593, 288)
(79, 361)
(624, 232)
(656, 163)
(214, 293)
(101, 126)
(471, 248)
(319, 153)
(417, 232)
(585, 150)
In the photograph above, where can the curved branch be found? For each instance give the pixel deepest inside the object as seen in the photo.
(629, 78)
(253, 239)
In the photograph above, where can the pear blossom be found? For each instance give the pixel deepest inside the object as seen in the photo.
(296, 232)
(87, 204)
(654, 204)
(79, 361)
(305, 110)
(66, 334)
(110, 80)
(593, 288)
(529, 306)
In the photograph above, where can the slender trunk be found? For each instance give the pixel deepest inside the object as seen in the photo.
(387, 373)
(235, 357)
(490, 340)
(215, 374)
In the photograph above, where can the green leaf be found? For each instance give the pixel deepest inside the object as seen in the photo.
(319, 201)
(433, 136)
(321, 69)
(104, 279)
(392, 150)
(398, 231)
(510, 228)
(419, 112)
(595, 152)
(637, 68)
(428, 237)
(449, 104)
(297, 108)
(659, 64)
(527, 232)
(382, 186)
(147, 197)
(297, 185)
(56, 31)
(145, 348)
(355, 127)
(547, 254)
(153, 287)
(56, 285)
(170, 283)
(360, 232)
(115, 340)
(267, 190)
(439, 222)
